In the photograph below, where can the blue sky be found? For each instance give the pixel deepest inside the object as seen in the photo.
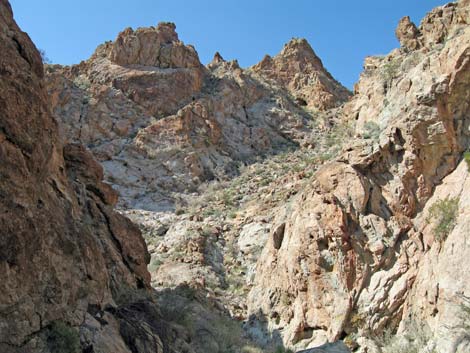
(342, 32)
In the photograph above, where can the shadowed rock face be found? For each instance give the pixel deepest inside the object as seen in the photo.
(65, 255)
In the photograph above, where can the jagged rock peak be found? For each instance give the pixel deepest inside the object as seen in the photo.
(217, 58)
(301, 72)
(299, 50)
(167, 30)
(300, 45)
(153, 46)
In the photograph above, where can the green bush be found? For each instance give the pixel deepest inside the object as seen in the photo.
(155, 263)
(466, 157)
(443, 214)
(61, 338)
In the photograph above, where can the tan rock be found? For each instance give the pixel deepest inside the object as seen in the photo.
(408, 34)
(152, 46)
(298, 69)
(356, 253)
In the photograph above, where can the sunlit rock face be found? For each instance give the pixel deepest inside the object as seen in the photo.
(358, 254)
(161, 123)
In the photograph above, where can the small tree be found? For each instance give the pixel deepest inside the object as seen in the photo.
(443, 214)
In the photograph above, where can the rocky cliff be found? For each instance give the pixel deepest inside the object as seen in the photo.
(73, 272)
(161, 123)
(359, 250)
(279, 210)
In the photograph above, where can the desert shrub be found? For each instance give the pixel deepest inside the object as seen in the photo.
(371, 130)
(390, 70)
(443, 214)
(251, 349)
(61, 338)
(466, 157)
(228, 197)
(179, 210)
(154, 264)
(125, 295)
(335, 139)
(416, 339)
(82, 82)
(465, 312)
(464, 326)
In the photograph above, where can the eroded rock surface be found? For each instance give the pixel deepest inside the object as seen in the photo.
(161, 123)
(69, 264)
(301, 72)
(354, 255)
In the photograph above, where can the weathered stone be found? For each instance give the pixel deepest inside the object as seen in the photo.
(64, 253)
(408, 34)
(298, 69)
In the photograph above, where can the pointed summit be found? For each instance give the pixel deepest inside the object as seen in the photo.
(299, 50)
(298, 69)
(297, 44)
(217, 58)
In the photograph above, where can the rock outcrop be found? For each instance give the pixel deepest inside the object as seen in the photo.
(298, 69)
(159, 47)
(408, 34)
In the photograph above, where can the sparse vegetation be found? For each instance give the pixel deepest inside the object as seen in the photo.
(62, 338)
(125, 295)
(416, 339)
(411, 60)
(179, 208)
(251, 349)
(443, 214)
(82, 82)
(466, 157)
(390, 70)
(464, 326)
(371, 131)
(336, 137)
(155, 263)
